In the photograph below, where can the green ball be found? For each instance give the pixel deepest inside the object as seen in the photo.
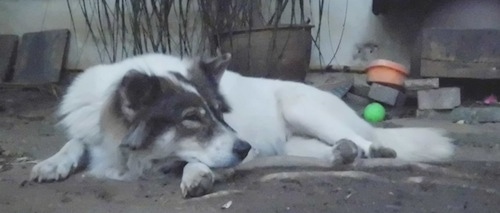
(374, 113)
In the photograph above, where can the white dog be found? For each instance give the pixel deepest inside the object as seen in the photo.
(129, 114)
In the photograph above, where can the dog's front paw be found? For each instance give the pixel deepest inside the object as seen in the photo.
(52, 169)
(382, 152)
(345, 152)
(197, 180)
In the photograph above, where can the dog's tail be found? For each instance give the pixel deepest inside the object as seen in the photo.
(416, 144)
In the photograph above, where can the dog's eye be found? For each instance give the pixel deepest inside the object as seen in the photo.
(192, 117)
(191, 120)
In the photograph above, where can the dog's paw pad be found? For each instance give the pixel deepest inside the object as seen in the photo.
(50, 170)
(382, 152)
(345, 152)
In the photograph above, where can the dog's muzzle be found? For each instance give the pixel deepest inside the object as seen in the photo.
(241, 149)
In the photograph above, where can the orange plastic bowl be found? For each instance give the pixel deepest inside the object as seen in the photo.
(386, 72)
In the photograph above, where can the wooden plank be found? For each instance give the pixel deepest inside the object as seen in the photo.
(421, 84)
(470, 46)
(461, 53)
(459, 70)
(41, 57)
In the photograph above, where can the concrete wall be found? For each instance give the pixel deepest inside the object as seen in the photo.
(364, 36)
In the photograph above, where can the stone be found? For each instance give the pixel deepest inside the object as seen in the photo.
(442, 98)
(8, 44)
(490, 114)
(421, 84)
(386, 94)
(41, 57)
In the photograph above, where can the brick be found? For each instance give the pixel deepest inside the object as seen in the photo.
(421, 84)
(8, 44)
(442, 98)
(41, 57)
(387, 95)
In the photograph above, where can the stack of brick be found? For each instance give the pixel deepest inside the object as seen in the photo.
(432, 97)
(363, 93)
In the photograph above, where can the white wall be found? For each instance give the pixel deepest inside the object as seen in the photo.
(365, 36)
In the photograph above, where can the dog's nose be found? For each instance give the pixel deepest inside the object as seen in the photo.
(241, 149)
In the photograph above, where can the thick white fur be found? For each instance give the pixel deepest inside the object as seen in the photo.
(276, 117)
(416, 144)
(268, 113)
(85, 116)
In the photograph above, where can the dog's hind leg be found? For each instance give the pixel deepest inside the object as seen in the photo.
(343, 152)
(60, 164)
(318, 114)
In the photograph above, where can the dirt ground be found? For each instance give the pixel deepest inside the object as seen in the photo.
(468, 184)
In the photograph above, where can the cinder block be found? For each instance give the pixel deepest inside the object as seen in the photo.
(387, 95)
(336, 83)
(433, 114)
(360, 87)
(490, 114)
(8, 44)
(442, 98)
(421, 84)
(353, 99)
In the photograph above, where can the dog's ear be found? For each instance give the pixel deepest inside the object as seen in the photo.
(215, 66)
(137, 91)
(136, 136)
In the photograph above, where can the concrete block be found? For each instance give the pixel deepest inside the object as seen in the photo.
(41, 57)
(360, 87)
(490, 114)
(387, 95)
(353, 99)
(431, 114)
(8, 44)
(421, 84)
(356, 102)
(442, 98)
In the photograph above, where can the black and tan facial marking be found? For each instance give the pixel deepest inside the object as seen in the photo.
(152, 105)
(205, 74)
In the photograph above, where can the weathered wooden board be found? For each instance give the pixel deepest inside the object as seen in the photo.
(41, 57)
(461, 53)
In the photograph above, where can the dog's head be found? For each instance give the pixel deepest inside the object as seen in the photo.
(180, 115)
